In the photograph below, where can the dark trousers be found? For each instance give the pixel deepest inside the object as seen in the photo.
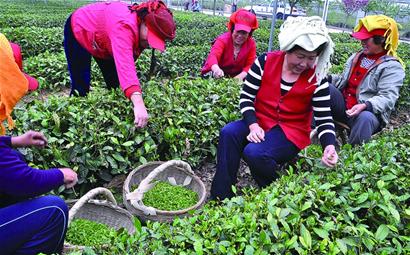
(33, 226)
(79, 64)
(362, 126)
(262, 158)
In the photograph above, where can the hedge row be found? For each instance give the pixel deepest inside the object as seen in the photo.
(96, 135)
(361, 207)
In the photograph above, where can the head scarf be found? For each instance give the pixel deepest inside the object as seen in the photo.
(373, 22)
(308, 33)
(13, 84)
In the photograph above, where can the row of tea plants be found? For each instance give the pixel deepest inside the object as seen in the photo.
(361, 207)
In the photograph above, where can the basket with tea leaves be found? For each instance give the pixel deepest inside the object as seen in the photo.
(162, 191)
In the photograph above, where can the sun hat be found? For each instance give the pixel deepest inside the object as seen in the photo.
(375, 24)
(364, 34)
(161, 26)
(243, 20)
(308, 33)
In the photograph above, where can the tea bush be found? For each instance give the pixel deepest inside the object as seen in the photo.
(96, 133)
(361, 207)
(36, 40)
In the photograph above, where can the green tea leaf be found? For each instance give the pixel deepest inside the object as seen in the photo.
(249, 250)
(382, 232)
(321, 232)
(128, 144)
(342, 245)
(305, 236)
(198, 247)
(306, 206)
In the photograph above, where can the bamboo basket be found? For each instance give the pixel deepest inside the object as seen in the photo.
(176, 172)
(102, 211)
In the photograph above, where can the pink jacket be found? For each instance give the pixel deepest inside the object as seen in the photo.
(110, 30)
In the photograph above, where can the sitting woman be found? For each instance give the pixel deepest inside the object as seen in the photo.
(279, 94)
(29, 223)
(233, 52)
(364, 95)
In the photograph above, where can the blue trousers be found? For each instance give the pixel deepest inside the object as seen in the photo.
(362, 126)
(262, 158)
(34, 226)
(79, 64)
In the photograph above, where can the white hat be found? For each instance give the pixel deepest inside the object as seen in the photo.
(308, 33)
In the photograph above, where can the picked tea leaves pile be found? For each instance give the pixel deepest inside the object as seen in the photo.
(167, 197)
(88, 233)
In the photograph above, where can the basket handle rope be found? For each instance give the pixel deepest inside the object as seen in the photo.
(89, 195)
(136, 196)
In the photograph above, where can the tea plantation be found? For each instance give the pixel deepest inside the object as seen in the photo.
(360, 207)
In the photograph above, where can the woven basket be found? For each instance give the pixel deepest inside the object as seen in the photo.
(176, 172)
(102, 211)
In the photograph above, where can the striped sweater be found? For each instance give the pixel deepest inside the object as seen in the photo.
(320, 101)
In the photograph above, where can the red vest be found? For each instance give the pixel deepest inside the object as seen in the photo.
(293, 111)
(228, 64)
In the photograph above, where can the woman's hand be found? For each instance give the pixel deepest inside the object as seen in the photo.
(140, 112)
(256, 134)
(355, 110)
(30, 138)
(70, 177)
(217, 71)
(241, 76)
(330, 156)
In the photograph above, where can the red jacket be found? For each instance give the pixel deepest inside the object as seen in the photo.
(293, 111)
(222, 54)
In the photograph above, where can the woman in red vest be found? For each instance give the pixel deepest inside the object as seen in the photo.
(280, 92)
(233, 52)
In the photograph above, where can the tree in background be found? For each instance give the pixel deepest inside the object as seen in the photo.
(386, 7)
(352, 6)
(292, 3)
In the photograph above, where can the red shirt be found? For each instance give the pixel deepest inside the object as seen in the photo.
(358, 72)
(222, 54)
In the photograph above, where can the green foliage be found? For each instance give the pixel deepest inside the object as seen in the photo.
(93, 134)
(35, 40)
(96, 134)
(50, 69)
(361, 207)
(168, 197)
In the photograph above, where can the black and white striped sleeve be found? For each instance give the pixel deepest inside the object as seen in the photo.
(250, 88)
(323, 115)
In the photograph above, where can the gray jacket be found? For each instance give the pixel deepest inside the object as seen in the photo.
(380, 86)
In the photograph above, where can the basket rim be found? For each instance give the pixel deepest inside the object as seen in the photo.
(201, 199)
